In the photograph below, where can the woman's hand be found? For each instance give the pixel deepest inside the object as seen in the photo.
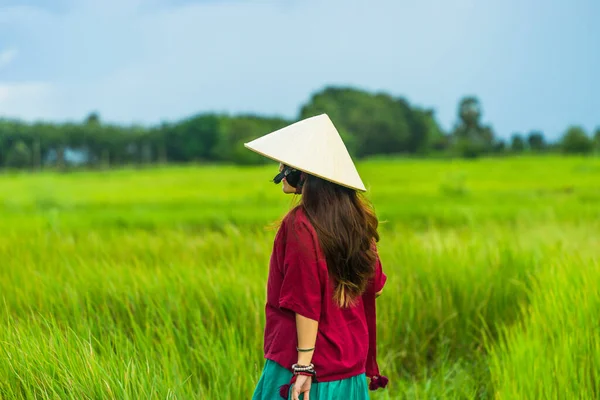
(302, 385)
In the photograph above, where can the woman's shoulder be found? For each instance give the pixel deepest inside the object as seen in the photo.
(295, 218)
(296, 225)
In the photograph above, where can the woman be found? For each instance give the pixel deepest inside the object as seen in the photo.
(324, 272)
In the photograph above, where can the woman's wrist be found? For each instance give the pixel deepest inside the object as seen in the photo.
(308, 370)
(305, 355)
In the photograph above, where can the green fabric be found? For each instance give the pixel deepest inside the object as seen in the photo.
(274, 375)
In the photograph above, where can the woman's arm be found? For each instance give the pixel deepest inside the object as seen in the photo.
(306, 329)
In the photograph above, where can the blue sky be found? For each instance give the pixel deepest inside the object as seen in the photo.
(533, 64)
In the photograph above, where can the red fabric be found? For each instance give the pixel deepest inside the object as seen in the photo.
(372, 369)
(299, 283)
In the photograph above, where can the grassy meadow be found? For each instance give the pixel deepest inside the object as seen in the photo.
(150, 283)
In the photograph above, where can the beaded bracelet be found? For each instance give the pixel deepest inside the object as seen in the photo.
(298, 367)
(304, 370)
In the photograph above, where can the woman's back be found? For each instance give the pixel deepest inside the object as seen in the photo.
(299, 282)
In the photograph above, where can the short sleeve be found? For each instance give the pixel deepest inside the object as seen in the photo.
(380, 278)
(301, 287)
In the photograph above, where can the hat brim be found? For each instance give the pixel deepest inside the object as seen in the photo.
(246, 145)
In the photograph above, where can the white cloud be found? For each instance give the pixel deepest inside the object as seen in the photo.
(27, 99)
(7, 56)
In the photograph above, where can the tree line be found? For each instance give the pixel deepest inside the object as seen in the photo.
(371, 124)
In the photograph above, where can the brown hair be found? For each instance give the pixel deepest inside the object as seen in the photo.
(346, 227)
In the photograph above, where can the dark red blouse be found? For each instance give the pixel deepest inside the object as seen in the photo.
(299, 283)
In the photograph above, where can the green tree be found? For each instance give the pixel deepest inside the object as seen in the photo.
(373, 124)
(576, 141)
(193, 139)
(430, 136)
(235, 131)
(469, 111)
(517, 144)
(19, 156)
(470, 138)
(536, 142)
(13, 132)
(597, 139)
(499, 146)
(93, 119)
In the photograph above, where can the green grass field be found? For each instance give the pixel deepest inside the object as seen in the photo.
(150, 284)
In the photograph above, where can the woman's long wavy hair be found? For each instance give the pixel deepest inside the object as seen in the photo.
(346, 227)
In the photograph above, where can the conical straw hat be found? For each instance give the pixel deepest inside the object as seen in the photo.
(312, 145)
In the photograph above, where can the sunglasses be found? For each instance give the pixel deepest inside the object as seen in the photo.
(291, 175)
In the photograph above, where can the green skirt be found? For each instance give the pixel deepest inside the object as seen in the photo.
(274, 376)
